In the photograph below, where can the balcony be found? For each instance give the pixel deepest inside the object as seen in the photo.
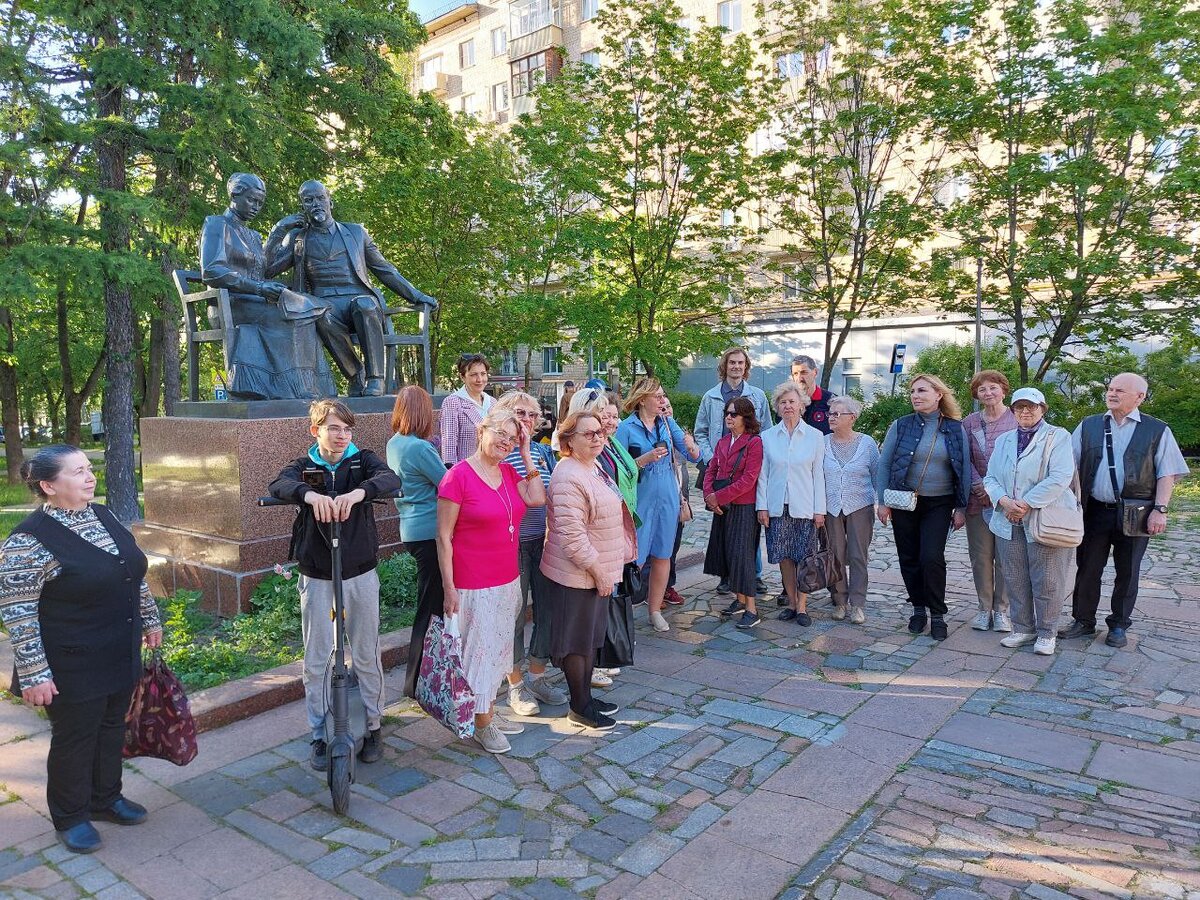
(523, 105)
(440, 84)
(545, 37)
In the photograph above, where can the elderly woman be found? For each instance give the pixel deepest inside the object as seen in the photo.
(589, 537)
(77, 611)
(649, 436)
(412, 456)
(790, 497)
(851, 460)
(1031, 468)
(730, 489)
(925, 470)
(481, 502)
(463, 410)
(271, 357)
(982, 428)
(523, 697)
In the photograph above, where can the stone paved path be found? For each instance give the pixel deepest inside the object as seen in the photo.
(836, 761)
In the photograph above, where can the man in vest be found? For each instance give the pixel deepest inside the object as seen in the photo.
(1121, 455)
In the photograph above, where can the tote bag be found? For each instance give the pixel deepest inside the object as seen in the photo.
(159, 723)
(442, 687)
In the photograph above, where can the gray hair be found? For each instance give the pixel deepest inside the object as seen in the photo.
(807, 361)
(789, 387)
(240, 182)
(848, 404)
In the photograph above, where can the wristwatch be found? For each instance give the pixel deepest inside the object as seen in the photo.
(1160, 507)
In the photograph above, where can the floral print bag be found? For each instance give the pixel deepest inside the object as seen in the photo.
(442, 687)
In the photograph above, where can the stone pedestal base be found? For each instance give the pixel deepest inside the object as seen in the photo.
(203, 529)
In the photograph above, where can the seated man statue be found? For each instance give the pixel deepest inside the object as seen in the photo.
(334, 261)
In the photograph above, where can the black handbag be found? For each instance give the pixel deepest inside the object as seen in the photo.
(821, 569)
(1135, 514)
(617, 649)
(631, 580)
(722, 483)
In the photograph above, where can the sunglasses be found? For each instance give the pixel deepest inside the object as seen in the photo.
(730, 414)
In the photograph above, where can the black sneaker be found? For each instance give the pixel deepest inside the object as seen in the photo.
(937, 629)
(782, 599)
(731, 610)
(803, 619)
(723, 587)
(371, 750)
(605, 708)
(593, 720)
(787, 615)
(318, 755)
(748, 620)
(916, 622)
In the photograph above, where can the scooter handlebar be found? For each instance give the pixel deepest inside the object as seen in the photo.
(275, 501)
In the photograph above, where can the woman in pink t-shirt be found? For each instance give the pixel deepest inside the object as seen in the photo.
(481, 502)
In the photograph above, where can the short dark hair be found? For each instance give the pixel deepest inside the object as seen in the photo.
(45, 465)
(466, 360)
(320, 410)
(744, 407)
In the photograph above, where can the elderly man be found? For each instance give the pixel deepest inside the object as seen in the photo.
(335, 261)
(804, 373)
(733, 368)
(1122, 455)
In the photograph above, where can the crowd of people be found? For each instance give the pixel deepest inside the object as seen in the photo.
(506, 531)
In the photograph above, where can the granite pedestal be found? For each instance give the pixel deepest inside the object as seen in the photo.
(203, 473)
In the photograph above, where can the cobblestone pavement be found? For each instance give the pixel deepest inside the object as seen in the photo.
(836, 761)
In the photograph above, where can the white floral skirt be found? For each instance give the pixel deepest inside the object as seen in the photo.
(486, 618)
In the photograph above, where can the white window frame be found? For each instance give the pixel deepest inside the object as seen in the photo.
(590, 58)
(509, 365)
(501, 92)
(588, 10)
(466, 53)
(552, 363)
(429, 70)
(729, 14)
(499, 41)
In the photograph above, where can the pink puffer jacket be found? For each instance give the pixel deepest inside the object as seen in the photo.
(587, 526)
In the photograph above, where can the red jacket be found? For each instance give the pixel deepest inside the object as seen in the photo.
(745, 479)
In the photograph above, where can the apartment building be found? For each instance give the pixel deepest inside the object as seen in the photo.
(485, 58)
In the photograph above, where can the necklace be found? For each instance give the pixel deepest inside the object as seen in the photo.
(502, 493)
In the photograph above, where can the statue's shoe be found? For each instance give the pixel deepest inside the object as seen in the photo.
(374, 388)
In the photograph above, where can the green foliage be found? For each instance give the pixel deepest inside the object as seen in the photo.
(955, 365)
(205, 651)
(1174, 376)
(685, 406)
(882, 412)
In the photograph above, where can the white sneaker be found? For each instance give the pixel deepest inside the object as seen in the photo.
(599, 679)
(1001, 622)
(547, 693)
(506, 726)
(612, 673)
(1017, 639)
(1044, 646)
(839, 613)
(659, 623)
(982, 622)
(491, 740)
(858, 615)
(521, 701)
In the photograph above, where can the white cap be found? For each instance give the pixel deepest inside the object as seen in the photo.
(1030, 394)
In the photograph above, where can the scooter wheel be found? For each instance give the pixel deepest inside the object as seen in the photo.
(339, 783)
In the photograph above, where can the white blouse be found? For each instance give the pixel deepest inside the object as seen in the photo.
(850, 487)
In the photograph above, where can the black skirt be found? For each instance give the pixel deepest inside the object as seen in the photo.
(732, 544)
(578, 620)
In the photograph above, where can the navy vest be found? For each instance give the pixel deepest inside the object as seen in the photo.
(90, 614)
(908, 435)
(1141, 480)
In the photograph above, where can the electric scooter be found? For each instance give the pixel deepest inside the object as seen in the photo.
(345, 716)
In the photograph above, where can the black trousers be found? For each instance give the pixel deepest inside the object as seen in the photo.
(83, 769)
(1102, 535)
(921, 546)
(429, 603)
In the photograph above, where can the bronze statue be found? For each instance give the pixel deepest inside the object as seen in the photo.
(274, 355)
(333, 262)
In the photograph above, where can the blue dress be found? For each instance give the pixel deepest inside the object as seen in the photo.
(657, 490)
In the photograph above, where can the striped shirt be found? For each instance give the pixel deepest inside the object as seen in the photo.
(533, 523)
(25, 567)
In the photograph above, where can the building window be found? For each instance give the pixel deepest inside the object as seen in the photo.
(590, 58)
(852, 384)
(529, 16)
(851, 365)
(791, 285)
(466, 54)
(952, 34)
(430, 69)
(469, 106)
(508, 363)
(600, 367)
(588, 10)
(730, 13)
(500, 96)
(531, 71)
(499, 41)
(825, 57)
(789, 65)
(551, 361)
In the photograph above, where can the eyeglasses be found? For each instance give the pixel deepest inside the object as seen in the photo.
(337, 430)
(730, 414)
(594, 435)
(526, 413)
(503, 436)
(838, 415)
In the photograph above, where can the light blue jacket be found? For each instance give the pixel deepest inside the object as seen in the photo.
(1023, 479)
(710, 417)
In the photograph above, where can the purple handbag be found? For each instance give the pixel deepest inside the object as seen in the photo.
(442, 687)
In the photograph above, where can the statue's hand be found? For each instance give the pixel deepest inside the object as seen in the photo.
(272, 289)
(287, 223)
(431, 302)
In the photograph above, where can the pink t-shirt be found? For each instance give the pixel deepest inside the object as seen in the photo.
(485, 546)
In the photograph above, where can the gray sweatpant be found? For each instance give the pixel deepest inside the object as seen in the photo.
(985, 565)
(850, 537)
(360, 598)
(1038, 579)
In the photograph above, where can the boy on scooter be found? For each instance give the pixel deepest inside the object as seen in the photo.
(332, 482)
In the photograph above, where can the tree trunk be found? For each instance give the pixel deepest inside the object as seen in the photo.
(10, 403)
(170, 317)
(111, 152)
(53, 408)
(152, 387)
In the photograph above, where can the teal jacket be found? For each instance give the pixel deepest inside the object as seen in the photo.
(421, 469)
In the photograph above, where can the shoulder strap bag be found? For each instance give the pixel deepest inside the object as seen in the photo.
(1135, 514)
(896, 498)
(1056, 525)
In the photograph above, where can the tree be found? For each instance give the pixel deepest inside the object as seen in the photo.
(854, 172)
(1080, 147)
(955, 364)
(659, 135)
